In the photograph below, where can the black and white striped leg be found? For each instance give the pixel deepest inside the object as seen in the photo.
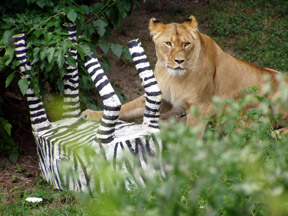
(71, 104)
(153, 94)
(38, 116)
(112, 104)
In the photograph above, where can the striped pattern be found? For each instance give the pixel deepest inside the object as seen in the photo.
(38, 117)
(69, 154)
(71, 104)
(112, 104)
(153, 94)
(63, 155)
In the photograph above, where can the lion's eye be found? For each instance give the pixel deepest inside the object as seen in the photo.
(168, 43)
(187, 44)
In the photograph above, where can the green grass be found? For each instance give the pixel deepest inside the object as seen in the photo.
(55, 202)
(257, 29)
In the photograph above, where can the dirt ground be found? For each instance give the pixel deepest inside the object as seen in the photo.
(123, 76)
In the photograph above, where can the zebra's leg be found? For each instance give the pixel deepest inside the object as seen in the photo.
(71, 104)
(112, 104)
(38, 116)
(153, 95)
(153, 99)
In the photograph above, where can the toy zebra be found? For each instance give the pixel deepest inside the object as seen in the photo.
(132, 149)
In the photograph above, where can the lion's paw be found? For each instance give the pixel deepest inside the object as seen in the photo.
(91, 115)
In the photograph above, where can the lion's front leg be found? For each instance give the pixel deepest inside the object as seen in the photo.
(133, 109)
(198, 120)
(92, 115)
(129, 111)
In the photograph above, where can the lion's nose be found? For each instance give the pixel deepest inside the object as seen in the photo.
(179, 61)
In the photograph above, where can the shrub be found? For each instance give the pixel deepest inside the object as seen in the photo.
(236, 169)
(42, 22)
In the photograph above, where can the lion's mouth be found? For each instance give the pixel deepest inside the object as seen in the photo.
(178, 71)
(179, 68)
(176, 68)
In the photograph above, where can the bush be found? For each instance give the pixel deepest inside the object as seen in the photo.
(42, 22)
(236, 169)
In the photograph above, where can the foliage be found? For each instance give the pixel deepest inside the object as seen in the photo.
(236, 169)
(42, 22)
(7, 145)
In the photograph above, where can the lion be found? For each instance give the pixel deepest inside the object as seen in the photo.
(190, 70)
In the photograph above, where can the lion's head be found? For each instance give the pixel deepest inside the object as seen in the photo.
(177, 45)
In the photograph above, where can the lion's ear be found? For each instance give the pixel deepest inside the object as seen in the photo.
(155, 27)
(191, 25)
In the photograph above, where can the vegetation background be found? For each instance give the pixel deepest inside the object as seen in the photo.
(241, 173)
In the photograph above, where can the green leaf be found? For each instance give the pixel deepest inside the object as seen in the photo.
(100, 26)
(66, 44)
(44, 3)
(127, 54)
(15, 64)
(85, 81)
(91, 106)
(60, 85)
(36, 50)
(72, 15)
(104, 47)
(85, 8)
(48, 36)
(9, 54)
(116, 49)
(6, 125)
(39, 32)
(9, 79)
(35, 55)
(23, 85)
(8, 20)
(60, 57)
(13, 158)
(96, 8)
(71, 62)
(83, 49)
(43, 54)
(124, 7)
(105, 65)
(50, 66)
(106, 68)
(83, 37)
(7, 36)
(114, 15)
(253, 112)
(50, 54)
(30, 1)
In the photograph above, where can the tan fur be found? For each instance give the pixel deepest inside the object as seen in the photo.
(191, 69)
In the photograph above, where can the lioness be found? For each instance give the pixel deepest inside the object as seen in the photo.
(191, 69)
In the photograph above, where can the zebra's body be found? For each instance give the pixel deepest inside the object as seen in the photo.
(131, 149)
